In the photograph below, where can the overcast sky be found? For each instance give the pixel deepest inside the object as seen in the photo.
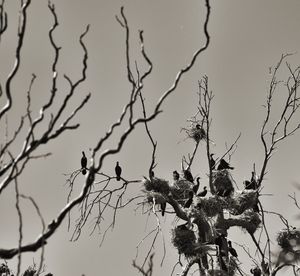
(247, 37)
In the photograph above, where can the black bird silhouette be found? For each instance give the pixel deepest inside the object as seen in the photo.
(212, 161)
(249, 185)
(163, 208)
(224, 165)
(118, 171)
(188, 175)
(196, 187)
(189, 202)
(203, 193)
(254, 180)
(175, 175)
(232, 250)
(83, 162)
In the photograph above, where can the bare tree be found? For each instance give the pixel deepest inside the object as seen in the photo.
(96, 193)
(201, 218)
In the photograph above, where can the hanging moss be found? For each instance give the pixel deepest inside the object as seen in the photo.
(157, 185)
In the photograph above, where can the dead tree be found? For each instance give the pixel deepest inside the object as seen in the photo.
(96, 193)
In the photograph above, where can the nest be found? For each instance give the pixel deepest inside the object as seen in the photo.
(242, 202)
(211, 206)
(158, 185)
(196, 132)
(222, 181)
(180, 190)
(184, 240)
(249, 221)
(289, 239)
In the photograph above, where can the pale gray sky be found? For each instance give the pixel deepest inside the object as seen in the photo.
(247, 37)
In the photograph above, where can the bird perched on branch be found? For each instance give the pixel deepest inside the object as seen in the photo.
(118, 171)
(188, 175)
(83, 162)
(232, 250)
(189, 202)
(203, 193)
(175, 175)
(196, 187)
(224, 165)
(212, 161)
(254, 180)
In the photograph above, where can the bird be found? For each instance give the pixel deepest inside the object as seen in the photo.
(196, 187)
(118, 171)
(232, 250)
(224, 165)
(188, 175)
(175, 175)
(203, 193)
(83, 162)
(254, 180)
(189, 202)
(163, 208)
(249, 185)
(198, 126)
(212, 162)
(152, 174)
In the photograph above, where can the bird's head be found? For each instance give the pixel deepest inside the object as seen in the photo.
(83, 153)
(205, 188)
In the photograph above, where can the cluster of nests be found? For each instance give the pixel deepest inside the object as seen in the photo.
(239, 204)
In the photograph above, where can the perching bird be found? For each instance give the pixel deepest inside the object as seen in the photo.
(118, 171)
(189, 202)
(196, 187)
(163, 208)
(152, 174)
(224, 165)
(203, 193)
(175, 175)
(83, 162)
(212, 161)
(232, 250)
(254, 180)
(249, 185)
(188, 175)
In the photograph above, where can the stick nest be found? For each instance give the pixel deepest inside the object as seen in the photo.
(289, 239)
(180, 190)
(222, 180)
(157, 185)
(196, 132)
(184, 240)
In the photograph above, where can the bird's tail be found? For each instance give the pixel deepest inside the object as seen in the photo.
(83, 171)
(118, 178)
